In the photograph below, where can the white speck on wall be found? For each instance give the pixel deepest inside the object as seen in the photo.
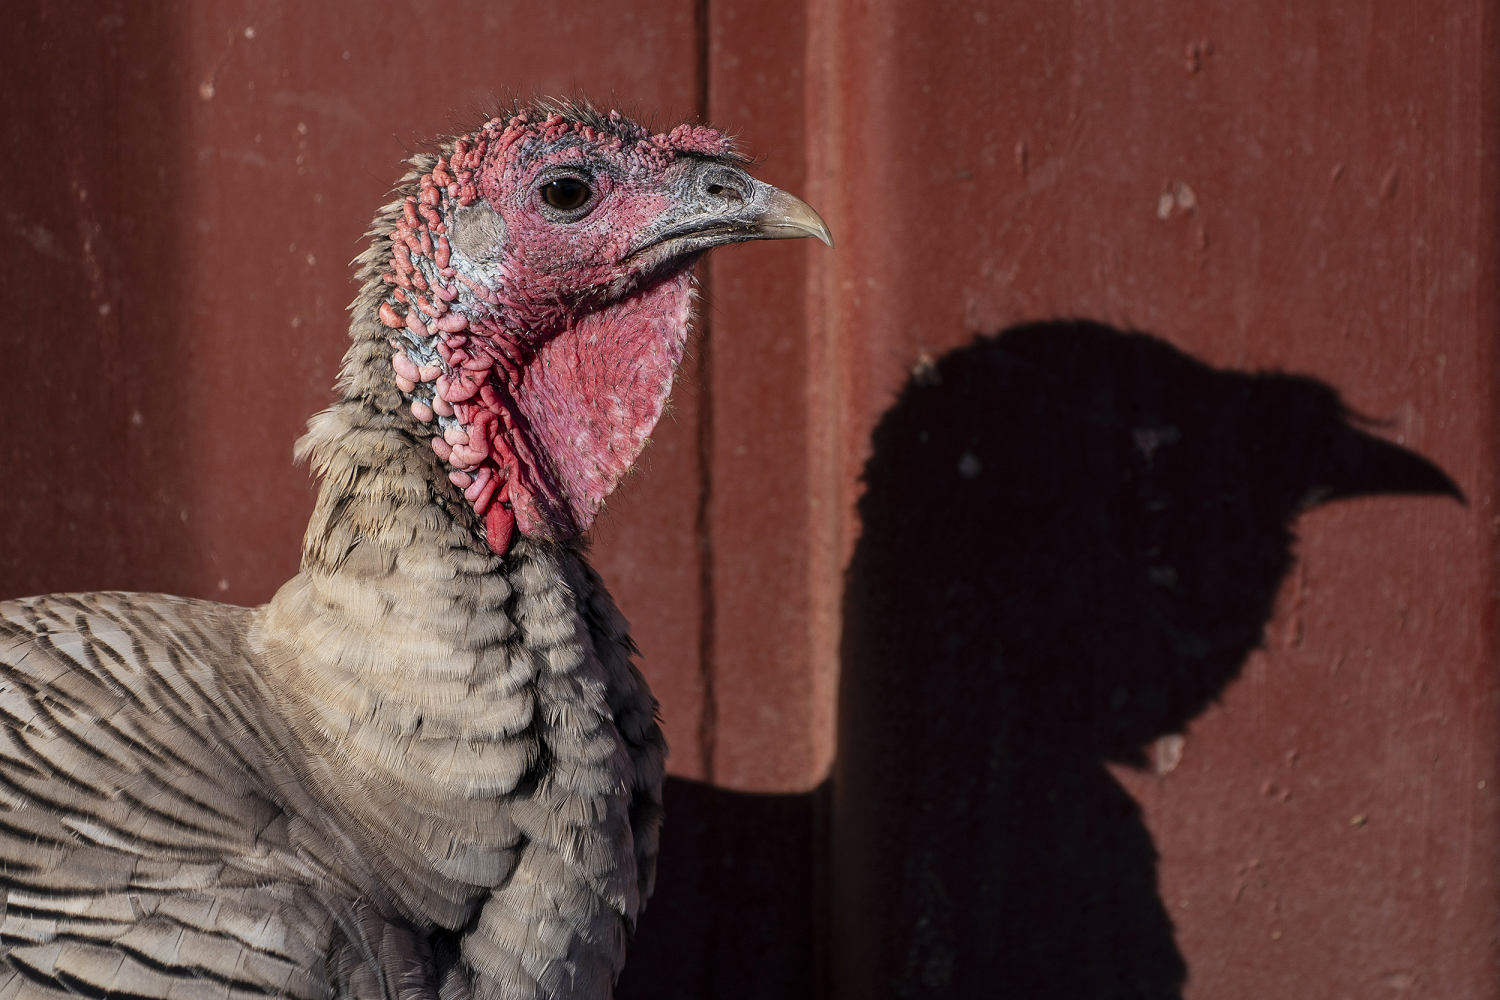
(249, 32)
(924, 371)
(206, 90)
(1179, 198)
(969, 466)
(1166, 753)
(223, 584)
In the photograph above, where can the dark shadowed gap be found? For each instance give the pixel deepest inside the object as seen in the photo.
(731, 918)
(708, 716)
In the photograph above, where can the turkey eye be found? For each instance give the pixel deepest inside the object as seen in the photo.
(566, 194)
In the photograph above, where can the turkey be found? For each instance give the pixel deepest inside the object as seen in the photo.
(428, 767)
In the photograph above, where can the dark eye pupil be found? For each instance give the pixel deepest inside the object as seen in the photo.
(566, 193)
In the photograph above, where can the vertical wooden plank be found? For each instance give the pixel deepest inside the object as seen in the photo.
(1262, 187)
(746, 916)
(773, 730)
(182, 229)
(199, 194)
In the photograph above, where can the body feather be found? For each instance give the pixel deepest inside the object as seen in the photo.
(191, 807)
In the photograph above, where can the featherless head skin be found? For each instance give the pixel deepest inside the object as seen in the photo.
(534, 284)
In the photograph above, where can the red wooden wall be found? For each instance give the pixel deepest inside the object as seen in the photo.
(1265, 186)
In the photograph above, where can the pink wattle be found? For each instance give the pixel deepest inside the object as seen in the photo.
(543, 435)
(595, 390)
(499, 526)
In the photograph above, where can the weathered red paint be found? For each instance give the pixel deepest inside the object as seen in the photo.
(1297, 187)
(1283, 186)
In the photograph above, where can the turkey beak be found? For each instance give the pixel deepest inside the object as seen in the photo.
(782, 216)
(717, 203)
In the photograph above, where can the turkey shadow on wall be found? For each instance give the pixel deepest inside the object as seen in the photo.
(1071, 539)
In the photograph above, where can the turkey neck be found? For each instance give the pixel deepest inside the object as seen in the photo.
(465, 708)
(454, 703)
(406, 652)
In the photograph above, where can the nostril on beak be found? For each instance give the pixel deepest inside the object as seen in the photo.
(722, 185)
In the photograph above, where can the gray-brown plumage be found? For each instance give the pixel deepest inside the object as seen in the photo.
(428, 767)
